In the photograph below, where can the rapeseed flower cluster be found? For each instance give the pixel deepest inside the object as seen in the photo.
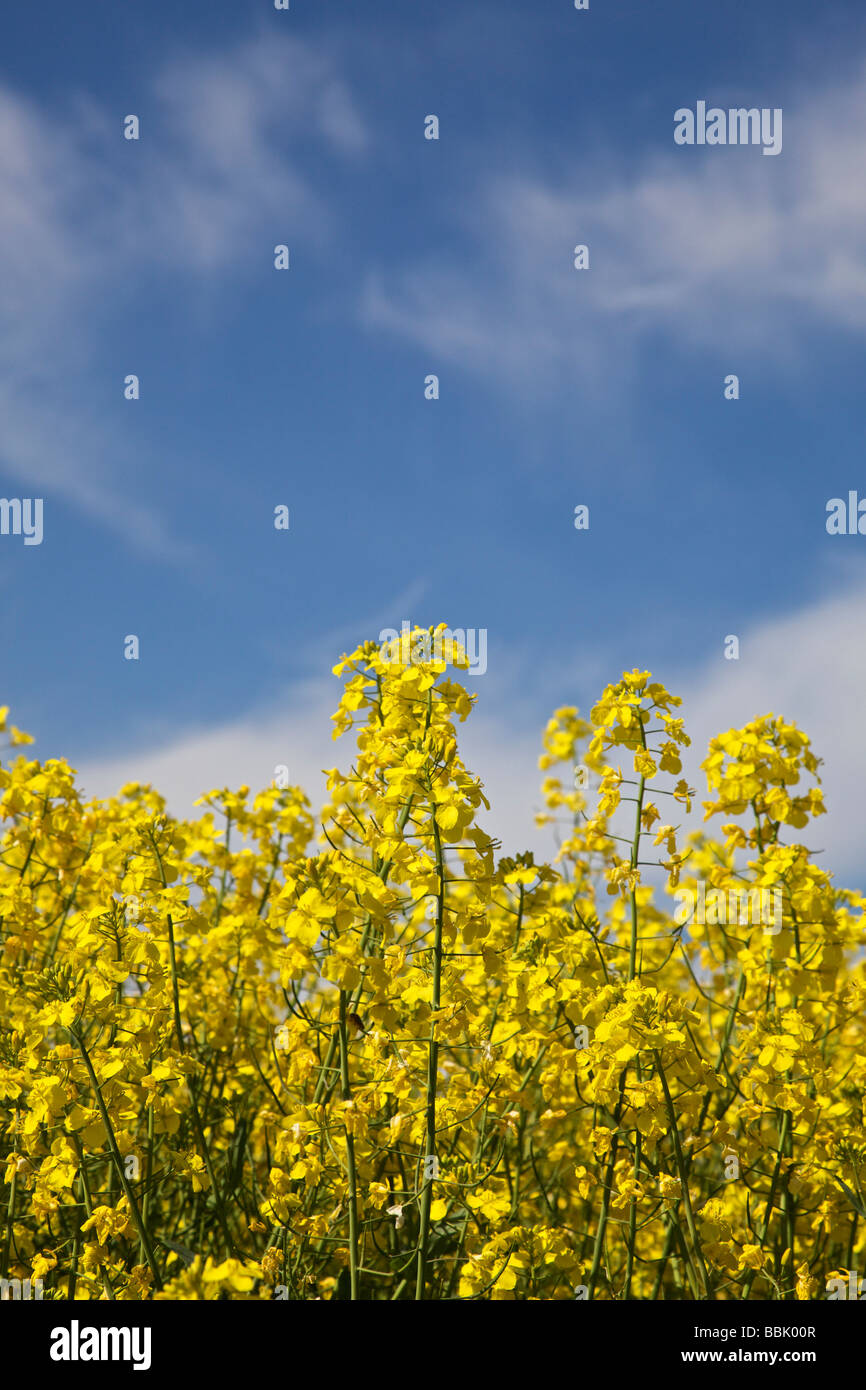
(244, 1057)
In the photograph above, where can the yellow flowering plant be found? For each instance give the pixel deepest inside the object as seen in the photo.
(238, 1061)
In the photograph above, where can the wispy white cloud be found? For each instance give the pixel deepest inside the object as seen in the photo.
(230, 122)
(295, 733)
(719, 248)
(808, 666)
(80, 208)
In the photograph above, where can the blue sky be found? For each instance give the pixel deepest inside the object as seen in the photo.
(410, 257)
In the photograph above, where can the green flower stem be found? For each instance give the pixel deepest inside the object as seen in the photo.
(771, 1197)
(88, 1208)
(10, 1222)
(118, 1160)
(684, 1177)
(632, 1220)
(635, 855)
(605, 1196)
(432, 1065)
(346, 1091)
